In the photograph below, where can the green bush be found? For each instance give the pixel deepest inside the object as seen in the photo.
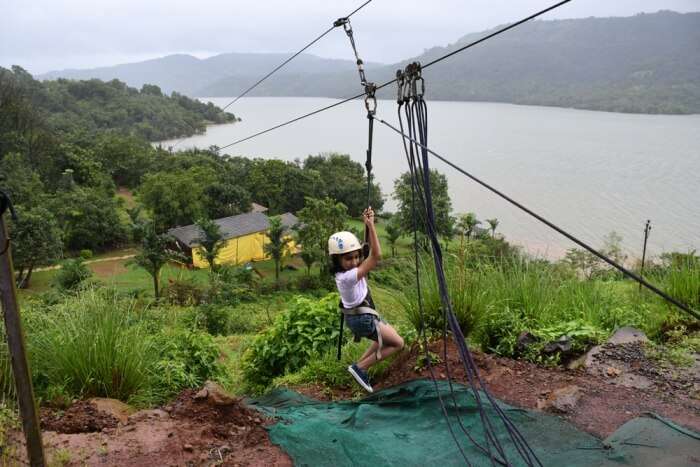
(185, 292)
(92, 345)
(213, 319)
(72, 274)
(186, 359)
(307, 328)
(466, 289)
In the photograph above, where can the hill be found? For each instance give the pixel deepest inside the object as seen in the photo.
(648, 63)
(69, 106)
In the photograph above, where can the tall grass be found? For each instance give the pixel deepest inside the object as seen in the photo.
(495, 301)
(91, 345)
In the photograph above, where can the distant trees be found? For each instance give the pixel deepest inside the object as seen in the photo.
(318, 220)
(442, 205)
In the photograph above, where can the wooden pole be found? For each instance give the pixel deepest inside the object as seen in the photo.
(15, 342)
(647, 228)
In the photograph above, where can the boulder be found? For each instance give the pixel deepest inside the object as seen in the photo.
(562, 400)
(113, 407)
(215, 394)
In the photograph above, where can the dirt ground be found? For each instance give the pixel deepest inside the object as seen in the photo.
(194, 432)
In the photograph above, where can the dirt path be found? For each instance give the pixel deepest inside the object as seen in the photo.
(90, 262)
(191, 431)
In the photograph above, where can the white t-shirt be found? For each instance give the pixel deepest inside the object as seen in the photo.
(352, 291)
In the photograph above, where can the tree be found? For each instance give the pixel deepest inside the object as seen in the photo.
(466, 225)
(224, 198)
(175, 198)
(88, 218)
(393, 233)
(493, 223)
(442, 206)
(210, 240)
(36, 240)
(345, 181)
(278, 245)
(154, 254)
(319, 219)
(21, 182)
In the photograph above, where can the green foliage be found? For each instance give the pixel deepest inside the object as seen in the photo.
(307, 328)
(186, 359)
(319, 219)
(174, 198)
(345, 181)
(92, 345)
(211, 240)
(154, 254)
(467, 291)
(72, 274)
(36, 240)
(185, 292)
(278, 246)
(282, 186)
(393, 233)
(88, 218)
(680, 277)
(442, 204)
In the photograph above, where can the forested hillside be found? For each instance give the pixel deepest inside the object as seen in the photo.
(68, 106)
(648, 63)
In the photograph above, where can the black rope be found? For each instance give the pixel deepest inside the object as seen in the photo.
(504, 29)
(610, 261)
(418, 126)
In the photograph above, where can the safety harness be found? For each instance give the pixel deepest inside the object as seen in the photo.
(364, 308)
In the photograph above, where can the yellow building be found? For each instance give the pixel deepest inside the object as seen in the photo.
(244, 236)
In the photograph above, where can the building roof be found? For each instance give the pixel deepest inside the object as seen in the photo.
(232, 227)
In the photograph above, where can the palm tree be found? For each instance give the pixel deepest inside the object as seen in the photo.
(493, 223)
(467, 223)
(277, 248)
(210, 240)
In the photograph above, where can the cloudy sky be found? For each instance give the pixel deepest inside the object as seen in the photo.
(44, 35)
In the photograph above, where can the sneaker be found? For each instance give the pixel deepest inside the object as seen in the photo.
(360, 376)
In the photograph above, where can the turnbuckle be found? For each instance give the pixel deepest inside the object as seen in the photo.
(370, 100)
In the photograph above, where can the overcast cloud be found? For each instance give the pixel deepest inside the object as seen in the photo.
(44, 35)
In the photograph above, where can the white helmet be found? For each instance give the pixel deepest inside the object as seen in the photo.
(343, 242)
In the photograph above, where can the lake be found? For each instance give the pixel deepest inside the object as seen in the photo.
(590, 173)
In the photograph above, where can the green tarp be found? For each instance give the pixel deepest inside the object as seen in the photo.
(404, 426)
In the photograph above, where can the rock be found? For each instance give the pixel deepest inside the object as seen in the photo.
(525, 340)
(627, 334)
(215, 394)
(113, 407)
(561, 345)
(561, 400)
(613, 372)
(187, 447)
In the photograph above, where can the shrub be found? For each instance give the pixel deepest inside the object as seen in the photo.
(186, 359)
(307, 328)
(185, 292)
(72, 274)
(214, 319)
(92, 345)
(466, 290)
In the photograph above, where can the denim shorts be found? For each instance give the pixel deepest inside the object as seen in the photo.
(364, 325)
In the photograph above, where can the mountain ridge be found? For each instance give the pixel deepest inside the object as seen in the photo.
(647, 63)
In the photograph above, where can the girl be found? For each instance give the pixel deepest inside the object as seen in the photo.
(350, 271)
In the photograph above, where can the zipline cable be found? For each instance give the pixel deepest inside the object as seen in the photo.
(471, 44)
(611, 262)
(336, 24)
